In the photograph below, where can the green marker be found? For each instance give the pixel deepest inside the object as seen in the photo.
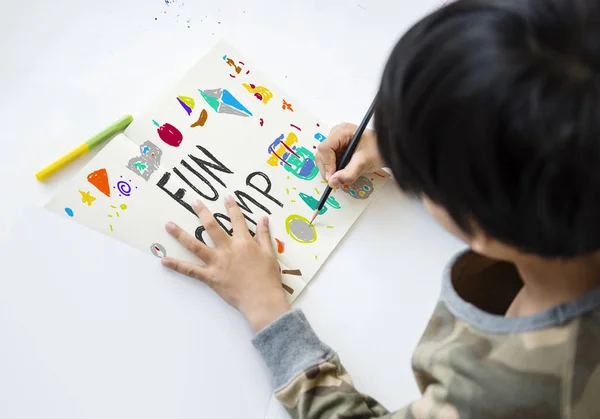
(84, 148)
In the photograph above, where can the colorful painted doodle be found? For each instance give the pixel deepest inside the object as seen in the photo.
(299, 161)
(124, 187)
(115, 211)
(302, 164)
(300, 229)
(294, 272)
(187, 103)
(169, 134)
(361, 189)
(280, 246)
(260, 92)
(320, 137)
(87, 198)
(222, 101)
(277, 148)
(158, 250)
(237, 68)
(147, 162)
(286, 106)
(201, 119)
(313, 203)
(99, 179)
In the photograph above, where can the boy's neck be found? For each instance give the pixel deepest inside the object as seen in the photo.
(547, 283)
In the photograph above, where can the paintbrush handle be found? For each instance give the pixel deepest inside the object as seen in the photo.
(343, 162)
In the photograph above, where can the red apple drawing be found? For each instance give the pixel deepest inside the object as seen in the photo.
(169, 134)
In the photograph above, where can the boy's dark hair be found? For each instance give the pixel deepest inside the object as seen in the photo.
(491, 109)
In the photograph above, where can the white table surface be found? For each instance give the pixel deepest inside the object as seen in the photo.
(92, 329)
(70, 67)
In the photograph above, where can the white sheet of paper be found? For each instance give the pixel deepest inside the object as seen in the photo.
(253, 142)
(87, 336)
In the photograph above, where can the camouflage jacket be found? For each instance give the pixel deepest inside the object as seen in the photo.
(472, 362)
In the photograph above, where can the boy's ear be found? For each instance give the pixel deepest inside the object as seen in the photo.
(480, 241)
(486, 245)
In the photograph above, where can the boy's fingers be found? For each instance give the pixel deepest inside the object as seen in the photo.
(188, 241)
(351, 172)
(334, 145)
(263, 235)
(214, 230)
(238, 222)
(320, 165)
(185, 268)
(325, 160)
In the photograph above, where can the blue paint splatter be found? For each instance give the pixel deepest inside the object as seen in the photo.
(228, 99)
(307, 168)
(320, 137)
(69, 212)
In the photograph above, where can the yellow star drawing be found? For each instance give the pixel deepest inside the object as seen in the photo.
(86, 198)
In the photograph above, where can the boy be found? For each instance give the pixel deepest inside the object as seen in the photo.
(489, 111)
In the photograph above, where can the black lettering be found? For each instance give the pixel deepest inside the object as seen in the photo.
(252, 221)
(219, 218)
(265, 191)
(215, 194)
(204, 165)
(177, 196)
(199, 232)
(242, 196)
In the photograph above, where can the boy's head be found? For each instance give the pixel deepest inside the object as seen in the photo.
(490, 109)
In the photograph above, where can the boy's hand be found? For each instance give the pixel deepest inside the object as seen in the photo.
(243, 271)
(366, 158)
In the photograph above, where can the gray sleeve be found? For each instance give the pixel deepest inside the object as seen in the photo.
(289, 346)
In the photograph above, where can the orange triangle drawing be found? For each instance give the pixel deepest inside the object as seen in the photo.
(99, 179)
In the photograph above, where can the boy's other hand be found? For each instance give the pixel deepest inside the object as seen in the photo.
(242, 270)
(366, 158)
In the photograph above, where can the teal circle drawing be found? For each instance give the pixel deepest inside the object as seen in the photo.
(69, 212)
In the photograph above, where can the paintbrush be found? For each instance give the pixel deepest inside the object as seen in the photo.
(347, 155)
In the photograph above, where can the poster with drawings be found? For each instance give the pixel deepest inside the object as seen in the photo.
(224, 129)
